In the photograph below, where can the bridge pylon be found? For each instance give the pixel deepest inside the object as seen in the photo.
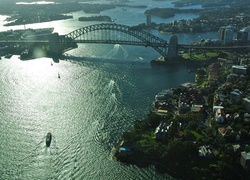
(173, 47)
(55, 48)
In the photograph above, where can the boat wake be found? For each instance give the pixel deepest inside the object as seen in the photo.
(117, 52)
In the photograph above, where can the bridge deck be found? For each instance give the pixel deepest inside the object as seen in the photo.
(118, 34)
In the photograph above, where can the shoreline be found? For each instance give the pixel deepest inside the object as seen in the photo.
(180, 60)
(174, 140)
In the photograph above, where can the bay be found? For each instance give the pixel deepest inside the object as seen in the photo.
(101, 91)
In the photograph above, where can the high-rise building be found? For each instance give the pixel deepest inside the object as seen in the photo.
(226, 34)
(180, 26)
(148, 20)
(221, 33)
(244, 34)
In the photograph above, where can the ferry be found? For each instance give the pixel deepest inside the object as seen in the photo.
(48, 139)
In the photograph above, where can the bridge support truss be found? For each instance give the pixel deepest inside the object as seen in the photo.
(115, 34)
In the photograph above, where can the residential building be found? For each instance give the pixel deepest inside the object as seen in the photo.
(225, 130)
(244, 61)
(196, 108)
(236, 97)
(205, 151)
(188, 85)
(246, 117)
(219, 116)
(215, 108)
(162, 130)
(232, 77)
(184, 108)
(239, 70)
(162, 111)
(245, 160)
(246, 103)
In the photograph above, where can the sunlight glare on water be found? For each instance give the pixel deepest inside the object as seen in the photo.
(86, 101)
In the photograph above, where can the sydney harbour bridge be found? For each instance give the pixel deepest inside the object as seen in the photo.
(112, 33)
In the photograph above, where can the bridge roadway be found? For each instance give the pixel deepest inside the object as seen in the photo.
(4, 43)
(23, 41)
(153, 44)
(179, 46)
(115, 34)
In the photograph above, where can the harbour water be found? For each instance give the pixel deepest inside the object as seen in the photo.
(101, 91)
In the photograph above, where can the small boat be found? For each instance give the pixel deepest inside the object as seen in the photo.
(48, 139)
(58, 76)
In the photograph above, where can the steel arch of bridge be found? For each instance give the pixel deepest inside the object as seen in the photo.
(115, 34)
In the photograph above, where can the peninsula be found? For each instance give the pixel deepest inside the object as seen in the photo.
(169, 12)
(20, 14)
(210, 19)
(96, 18)
(198, 130)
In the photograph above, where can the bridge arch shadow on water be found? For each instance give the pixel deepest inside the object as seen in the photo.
(112, 33)
(86, 59)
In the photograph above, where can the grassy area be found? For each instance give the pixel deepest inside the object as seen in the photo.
(200, 55)
(204, 83)
(197, 135)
